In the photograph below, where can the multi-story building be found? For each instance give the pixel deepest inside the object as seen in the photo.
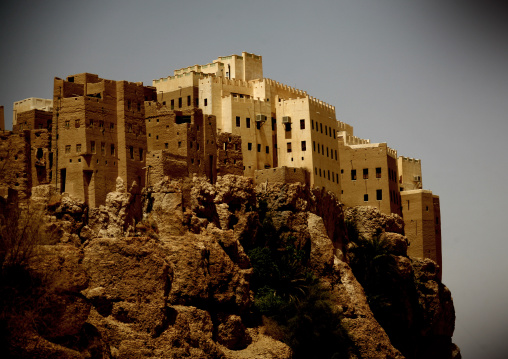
(28, 104)
(279, 125)
(99, 134)
(208, 120)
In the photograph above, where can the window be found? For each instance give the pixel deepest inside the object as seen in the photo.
(92, 146)
(112, 149)
(314, 146)
(206, 102)
(315, 170)
(129, 127)
(259, 147)
(335, 155)
(77, 123)
(321, 126)
(131, 152)
(258, 125)
(365, 173)
(172, 104)
(249, 146)
(304, 146)
(320, 172)
(129, 104)
(111, 126)
(312, 123)
(366, 197)
(141, 154)
(103, 148)
(378, 172)
(101, 125)
(67, 124)
(267, 149)
(179, 144)
(188, 100)
(289, 147)
(326, 130)
(353, 175)
(274, 124)
(327, 152)
(379, 194)
(68, 149)
(323, 149)
(78, 148)
(247, 122)
(237, 121)
(166, 145)
(302, 124)
(328, 175)
(179, 102)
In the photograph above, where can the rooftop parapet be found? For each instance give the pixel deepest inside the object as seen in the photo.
(409, 159)
(351, 140)
(281, 86)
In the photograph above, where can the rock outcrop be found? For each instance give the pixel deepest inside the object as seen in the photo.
(167, 274)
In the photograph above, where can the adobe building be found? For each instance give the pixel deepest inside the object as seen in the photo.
(186, 143)
(233, 89)
(99, 134)
(32, 103)
(368, 175)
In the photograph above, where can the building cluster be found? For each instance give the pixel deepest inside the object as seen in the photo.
(208, 120)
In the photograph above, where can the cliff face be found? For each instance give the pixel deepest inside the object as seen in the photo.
(167, 274)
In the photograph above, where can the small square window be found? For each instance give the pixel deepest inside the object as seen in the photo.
(68, 149)
(67, 124)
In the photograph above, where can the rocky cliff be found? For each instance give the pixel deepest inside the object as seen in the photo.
(175, 273)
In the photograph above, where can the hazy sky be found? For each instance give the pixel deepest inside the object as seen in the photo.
(430, 78)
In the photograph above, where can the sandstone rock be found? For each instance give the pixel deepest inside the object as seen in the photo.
(322, 250)
(398, 243)
(370, 221)
(134, 280)
(368, 337)
(232, 333)
(262, 346)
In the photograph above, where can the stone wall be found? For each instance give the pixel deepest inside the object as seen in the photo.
(283, 175)
(229, 154)
(15, 163)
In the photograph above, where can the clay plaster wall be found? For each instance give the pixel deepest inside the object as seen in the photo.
(33, 119)
(282, 174)
(422, 224)
(410, 173)
(309, 141)
(28, 104)
(365, 170)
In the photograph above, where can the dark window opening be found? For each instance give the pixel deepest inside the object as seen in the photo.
(247, 122)
(289, 147)
(259, 147)
(365, 173)
(172, 104)
(302, 124)
(237, 121)
(378, 172)
(179, 102)
(379, 194)
(304, 146)
(182, 119)
(366, 197)
(206, 102)
(353, 175)
(267, 149)
(274, 124)
(249, 146)
(188, 100)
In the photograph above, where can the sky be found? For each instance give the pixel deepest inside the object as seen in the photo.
(428, 77)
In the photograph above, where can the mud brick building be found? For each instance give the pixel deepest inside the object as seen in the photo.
(99, 134)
